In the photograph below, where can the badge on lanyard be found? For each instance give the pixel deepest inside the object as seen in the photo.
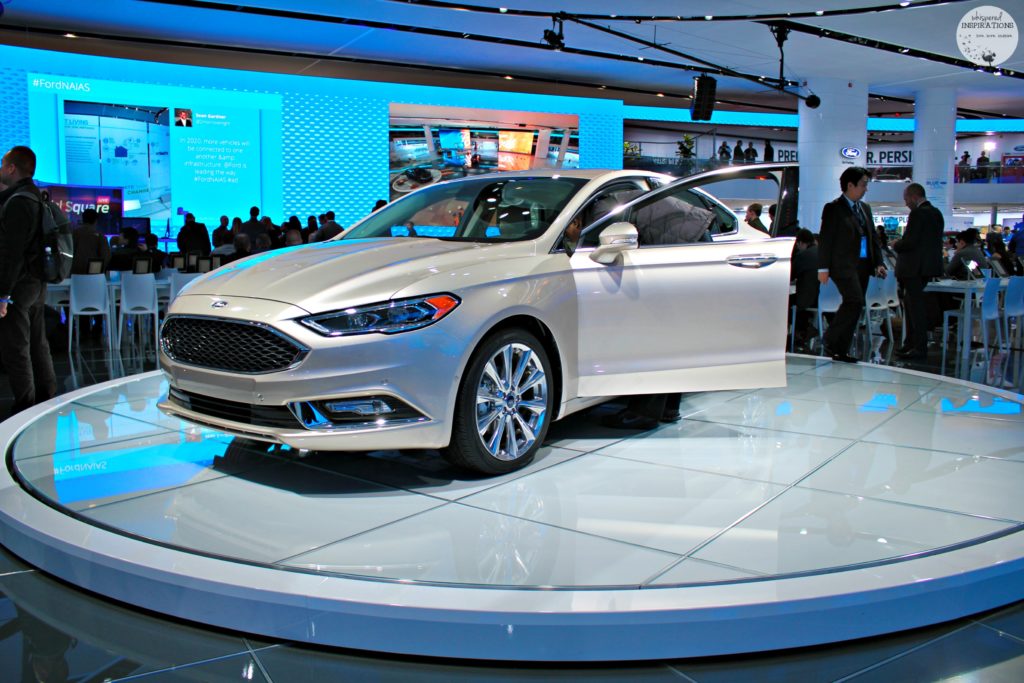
(863, 247)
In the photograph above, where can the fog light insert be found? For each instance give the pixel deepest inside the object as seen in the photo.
(358, 411)
(371, 407)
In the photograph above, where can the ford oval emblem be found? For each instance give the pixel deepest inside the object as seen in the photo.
(219, 303)
(850, 152)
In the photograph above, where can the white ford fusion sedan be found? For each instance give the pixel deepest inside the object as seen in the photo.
(468, 315)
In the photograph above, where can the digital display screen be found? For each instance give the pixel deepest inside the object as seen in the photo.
(454, 139)
(75, 199)
(520, 142)
(170, 150)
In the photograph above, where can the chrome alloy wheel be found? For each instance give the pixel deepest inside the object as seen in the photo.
(511, 401)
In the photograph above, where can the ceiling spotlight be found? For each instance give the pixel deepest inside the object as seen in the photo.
(813, 101)
(508, 78)
(904, 4)
(555, 39)
(70, 35)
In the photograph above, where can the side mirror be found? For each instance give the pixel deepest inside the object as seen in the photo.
(615, 239)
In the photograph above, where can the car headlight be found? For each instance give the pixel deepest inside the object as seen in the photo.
(389, 317)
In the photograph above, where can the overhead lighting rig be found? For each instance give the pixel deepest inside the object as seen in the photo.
(556, 39)
(641, 18)
(775, 18)
(707, 68)
(781, 33)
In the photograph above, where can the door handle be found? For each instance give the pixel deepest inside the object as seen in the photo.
(752, 260)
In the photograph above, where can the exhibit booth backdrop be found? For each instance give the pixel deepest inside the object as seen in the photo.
(289, 144)
(215, 141)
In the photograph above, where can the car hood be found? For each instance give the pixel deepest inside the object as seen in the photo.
(325, 276)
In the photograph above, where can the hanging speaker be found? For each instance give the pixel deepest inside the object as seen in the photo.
(702, 104)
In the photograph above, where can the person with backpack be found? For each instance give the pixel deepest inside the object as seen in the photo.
(23, 345)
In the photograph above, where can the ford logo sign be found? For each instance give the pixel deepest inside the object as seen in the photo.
(1019, 148)
(220, 303)
(850, 153)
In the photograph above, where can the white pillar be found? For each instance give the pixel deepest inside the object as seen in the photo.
(840, 123)
(566, 132)
(431, 147)
(934, 145)
(540, 155)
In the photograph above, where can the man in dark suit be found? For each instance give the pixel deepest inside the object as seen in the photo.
(253, 227)
(848, 254)
(803, 270)
(918, 259)
(89, 244)
(193, 237)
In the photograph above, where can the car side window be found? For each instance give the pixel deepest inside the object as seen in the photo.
(725, 220)
(674, 216)
(602, 204)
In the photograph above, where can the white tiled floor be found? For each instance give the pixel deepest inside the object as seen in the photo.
(804, 530)
(818, 418)
(654, 506)
(847, 464)
(747, 452)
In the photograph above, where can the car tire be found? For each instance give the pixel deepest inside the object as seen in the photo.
(503, 406)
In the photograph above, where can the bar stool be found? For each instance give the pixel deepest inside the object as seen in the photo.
(829, 300)
(89, 296)
(990, 312)
(1013, 307)
(878, 298)
(138, 298)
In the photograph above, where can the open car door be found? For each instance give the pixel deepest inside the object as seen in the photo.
(768, 183)
(664, 308)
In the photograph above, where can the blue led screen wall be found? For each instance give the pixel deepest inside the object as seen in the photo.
(219, 153)
(289, 144)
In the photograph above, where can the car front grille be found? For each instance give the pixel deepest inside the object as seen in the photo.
(246, 413)
(228, 345)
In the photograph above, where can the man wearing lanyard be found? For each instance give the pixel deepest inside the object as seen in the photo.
(849, 255)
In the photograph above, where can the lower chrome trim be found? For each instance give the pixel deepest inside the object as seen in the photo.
(229, 427)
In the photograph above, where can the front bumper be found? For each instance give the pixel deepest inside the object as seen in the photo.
(420, 368)
(424, 434)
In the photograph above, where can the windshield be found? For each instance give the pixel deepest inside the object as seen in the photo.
(485, 209)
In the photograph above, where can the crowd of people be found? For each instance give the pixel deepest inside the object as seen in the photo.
(848, 251)
(744, 155)
(231, 240)
(983, 168)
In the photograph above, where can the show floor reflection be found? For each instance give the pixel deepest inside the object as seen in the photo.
(848, 466)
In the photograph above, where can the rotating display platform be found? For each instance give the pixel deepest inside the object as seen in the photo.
(856, 501)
